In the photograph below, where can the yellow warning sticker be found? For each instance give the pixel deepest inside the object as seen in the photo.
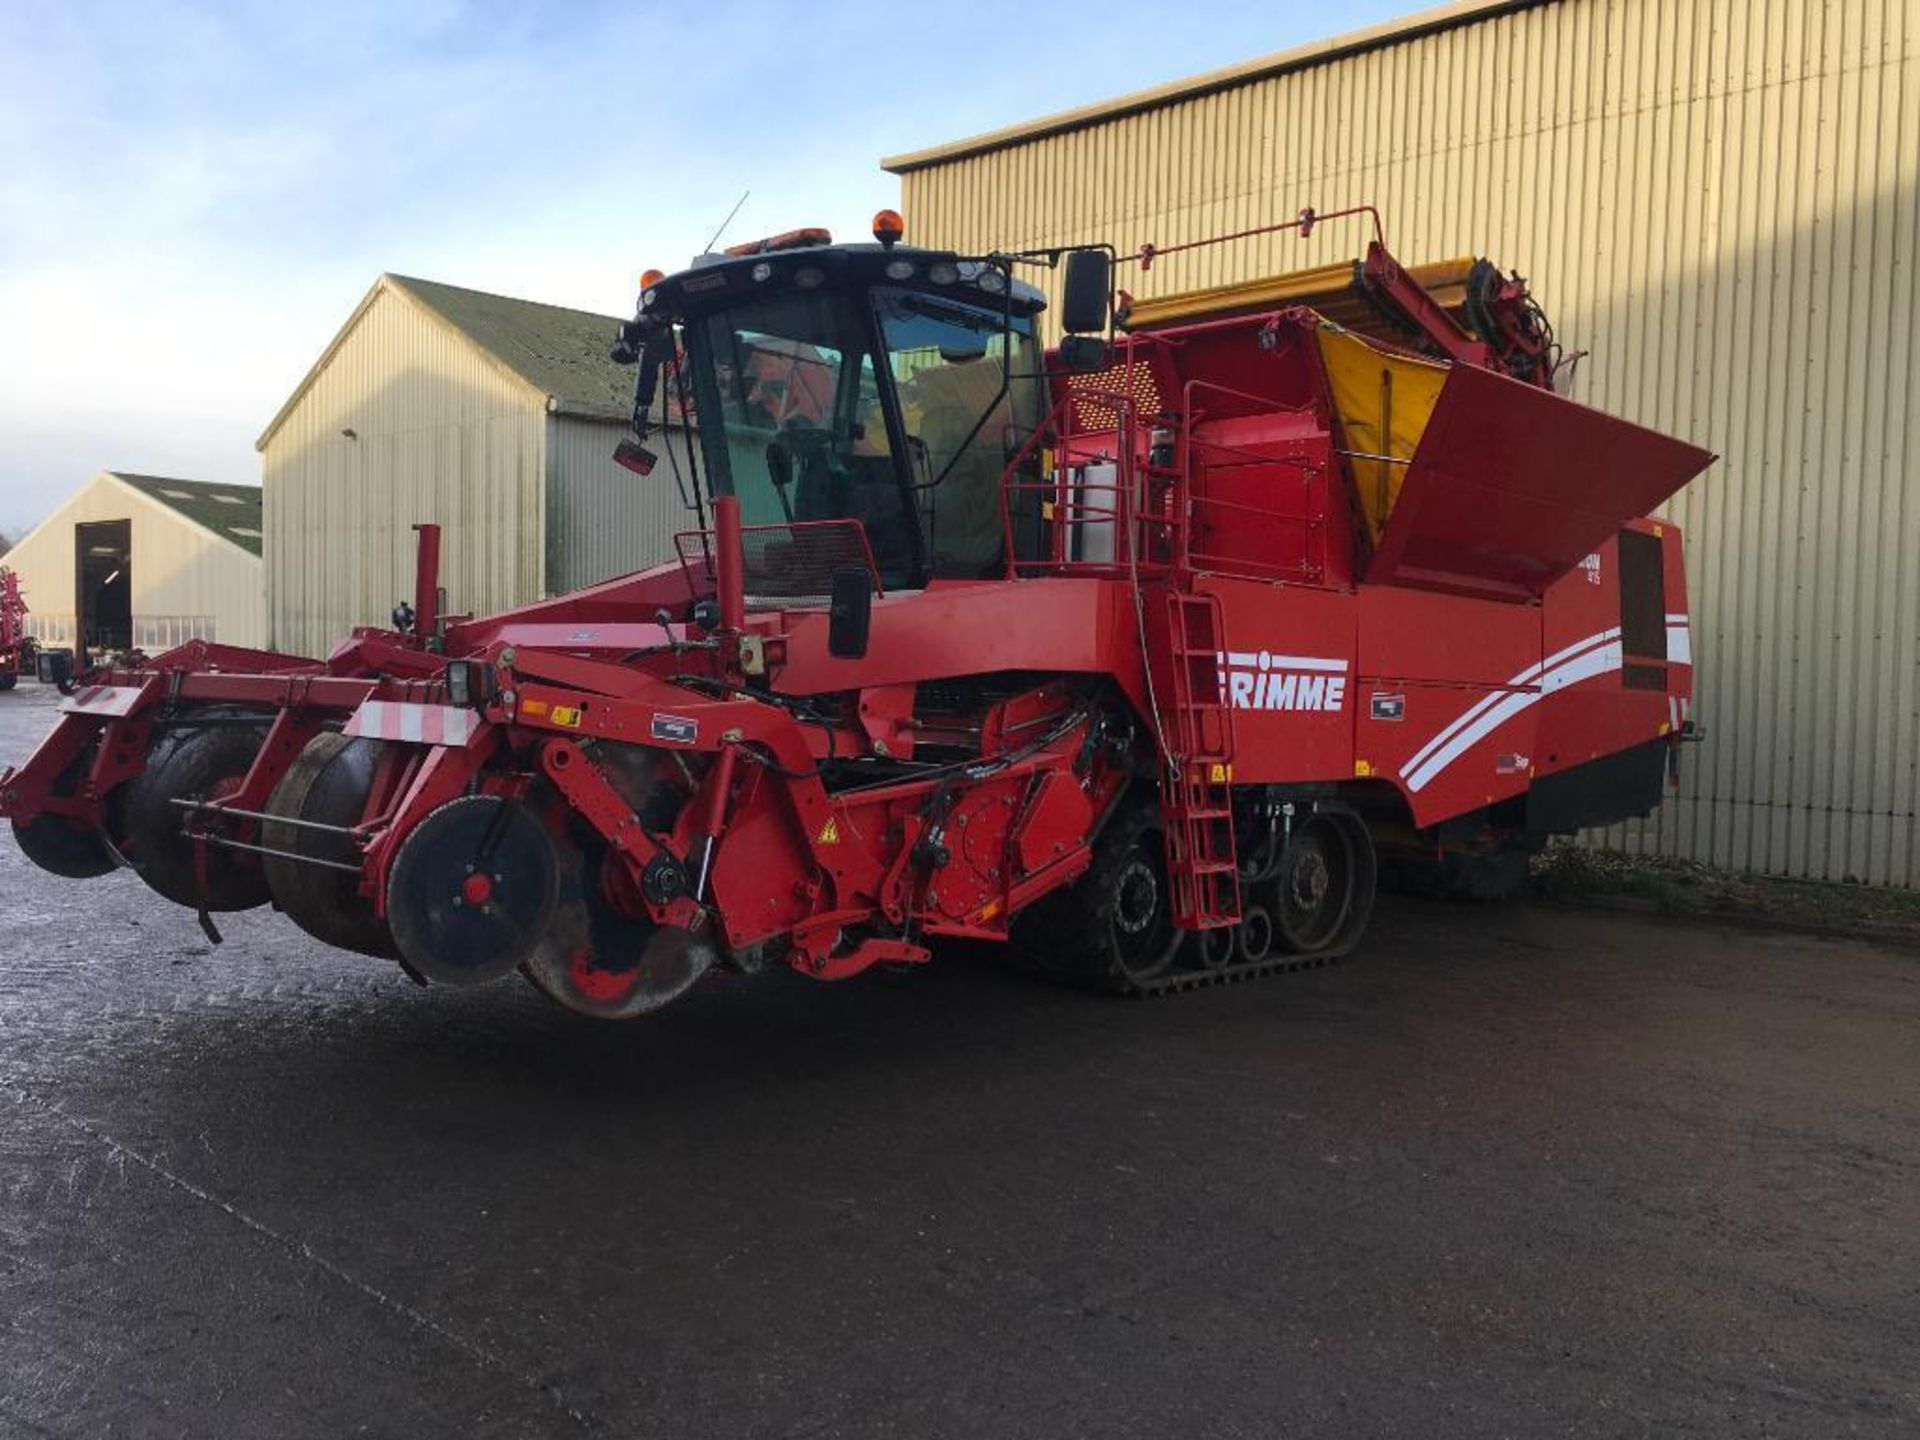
(1362, 768)
(1220, 775)
(830, 832)
(568, 715)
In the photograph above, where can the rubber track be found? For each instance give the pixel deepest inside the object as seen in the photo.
(1178, 981)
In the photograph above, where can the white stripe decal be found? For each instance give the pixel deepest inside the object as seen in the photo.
(1309, 662)
(412, 723)
(1250, 660)
(1595, 655)
(1679, 643)
(1526, 677)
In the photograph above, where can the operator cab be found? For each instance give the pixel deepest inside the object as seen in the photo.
(881, 383)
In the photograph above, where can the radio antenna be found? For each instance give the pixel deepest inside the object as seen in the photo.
(707, 249)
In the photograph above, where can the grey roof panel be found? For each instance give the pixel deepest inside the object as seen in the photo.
(230, 511)
(558, 351)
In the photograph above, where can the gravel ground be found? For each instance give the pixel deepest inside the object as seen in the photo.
(1509, 1172)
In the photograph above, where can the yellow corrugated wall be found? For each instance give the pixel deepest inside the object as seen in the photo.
(439, 434)
(1719, 200)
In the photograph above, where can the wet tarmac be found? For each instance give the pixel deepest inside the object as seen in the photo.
(1512, 1172)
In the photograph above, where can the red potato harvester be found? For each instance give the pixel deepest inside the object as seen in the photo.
(1139, 654)
(19, 652)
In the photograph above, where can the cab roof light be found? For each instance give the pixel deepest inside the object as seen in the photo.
(888, 227)
(792, 240)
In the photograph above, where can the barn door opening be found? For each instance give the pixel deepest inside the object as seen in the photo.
(103, 585)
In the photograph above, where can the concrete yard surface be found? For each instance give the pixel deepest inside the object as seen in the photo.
(1508, 1172)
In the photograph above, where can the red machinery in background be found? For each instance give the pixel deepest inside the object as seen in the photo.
(1137, 654)
(18, 651)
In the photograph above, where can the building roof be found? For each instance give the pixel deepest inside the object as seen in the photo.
(560, 353)
(230, 511)
(1300, 57)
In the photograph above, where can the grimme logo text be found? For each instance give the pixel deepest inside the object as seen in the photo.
(1261, 680)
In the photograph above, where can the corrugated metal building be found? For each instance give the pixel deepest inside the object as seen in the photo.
(493, 417)
(1719, 199)
(143, 561)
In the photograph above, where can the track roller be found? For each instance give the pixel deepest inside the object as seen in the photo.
(1322, 894)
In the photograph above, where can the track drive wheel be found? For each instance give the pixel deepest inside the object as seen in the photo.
(472, 890)
(327, 784)
(1321, 898)
(1112, 929)
(597, 962)
(189, 762)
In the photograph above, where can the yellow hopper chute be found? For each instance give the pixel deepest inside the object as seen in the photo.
(1383, 400)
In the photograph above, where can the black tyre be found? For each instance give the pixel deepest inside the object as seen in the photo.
(189, 762)
(1112, 929)
(327, 784)
(1320, 900)
(8, 679)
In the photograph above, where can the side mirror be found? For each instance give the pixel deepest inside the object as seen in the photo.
(850, 613)
(1086, 293)
(1084, 353)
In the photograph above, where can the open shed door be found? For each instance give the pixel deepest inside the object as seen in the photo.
(1512, 486)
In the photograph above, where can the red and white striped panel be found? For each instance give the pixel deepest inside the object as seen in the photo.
(415, 724)
(102, 700)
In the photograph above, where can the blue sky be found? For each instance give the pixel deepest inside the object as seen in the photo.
(193, 198)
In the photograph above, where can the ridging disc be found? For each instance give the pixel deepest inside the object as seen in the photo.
(472, 890)
(597, 962)
(327, 784)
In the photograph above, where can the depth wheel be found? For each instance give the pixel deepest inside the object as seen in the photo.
(189, 762)
(1321, 898)
(327, 784)
(472, 889)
